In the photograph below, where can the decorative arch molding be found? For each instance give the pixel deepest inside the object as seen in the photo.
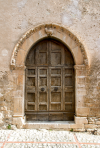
(43, 31)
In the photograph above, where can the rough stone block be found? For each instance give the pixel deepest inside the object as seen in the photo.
(91, 120)
(90, 126)
(90, 130)
(1, 116)
(79, 130)
(98, 125)
(98, 131)
(76, 126)
(3, 108)
(94, 111)
(18, 122)
(98, 122)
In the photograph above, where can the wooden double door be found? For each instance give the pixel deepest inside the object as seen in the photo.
(49, 83)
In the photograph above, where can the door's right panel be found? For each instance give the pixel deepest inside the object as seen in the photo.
(56, 98)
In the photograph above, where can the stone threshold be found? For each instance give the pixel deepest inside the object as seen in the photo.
(49, 125)
(50, 122)
(77, 124)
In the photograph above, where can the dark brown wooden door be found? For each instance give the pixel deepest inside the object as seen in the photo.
(49, 83)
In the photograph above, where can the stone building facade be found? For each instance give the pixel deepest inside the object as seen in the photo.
(73, 23)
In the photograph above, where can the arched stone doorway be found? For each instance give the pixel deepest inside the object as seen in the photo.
(81, 61)
(50, 82)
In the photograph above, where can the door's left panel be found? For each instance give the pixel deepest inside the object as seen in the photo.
(31, 93)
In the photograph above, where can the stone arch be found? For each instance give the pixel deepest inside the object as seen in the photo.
(78, 51)
(43, 31)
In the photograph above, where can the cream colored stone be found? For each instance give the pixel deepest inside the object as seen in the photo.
(18, 121)
(84, 111)
(76, 126)
(90, 130)
(71, 43)
(53, 126)
(98, 122)
(90, 126)
(77, 55)
(81, 92)
(80, 80)
(21, 57)
(46, 126)
(4, 108)
(79, 130)
(81, 120)
(18, 106)
(80, 101)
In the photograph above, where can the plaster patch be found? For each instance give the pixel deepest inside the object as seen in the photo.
(75, 12)
(21, 4)
(98, 42)
(67, 19)
(48, 12)
(75, 2)
(87, 1)
(4, 52)
(24, 24)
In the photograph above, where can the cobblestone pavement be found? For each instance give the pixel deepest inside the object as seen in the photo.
(25, 138)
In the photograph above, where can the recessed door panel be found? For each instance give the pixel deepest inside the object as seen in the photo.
(55, 58)
(42, 54)
(42, 89)
(56, 98)
(31, 89)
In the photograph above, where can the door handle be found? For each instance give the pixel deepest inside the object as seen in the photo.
(42, 89)
(56, 88)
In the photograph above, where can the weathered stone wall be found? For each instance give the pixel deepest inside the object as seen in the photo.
(82, 17)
